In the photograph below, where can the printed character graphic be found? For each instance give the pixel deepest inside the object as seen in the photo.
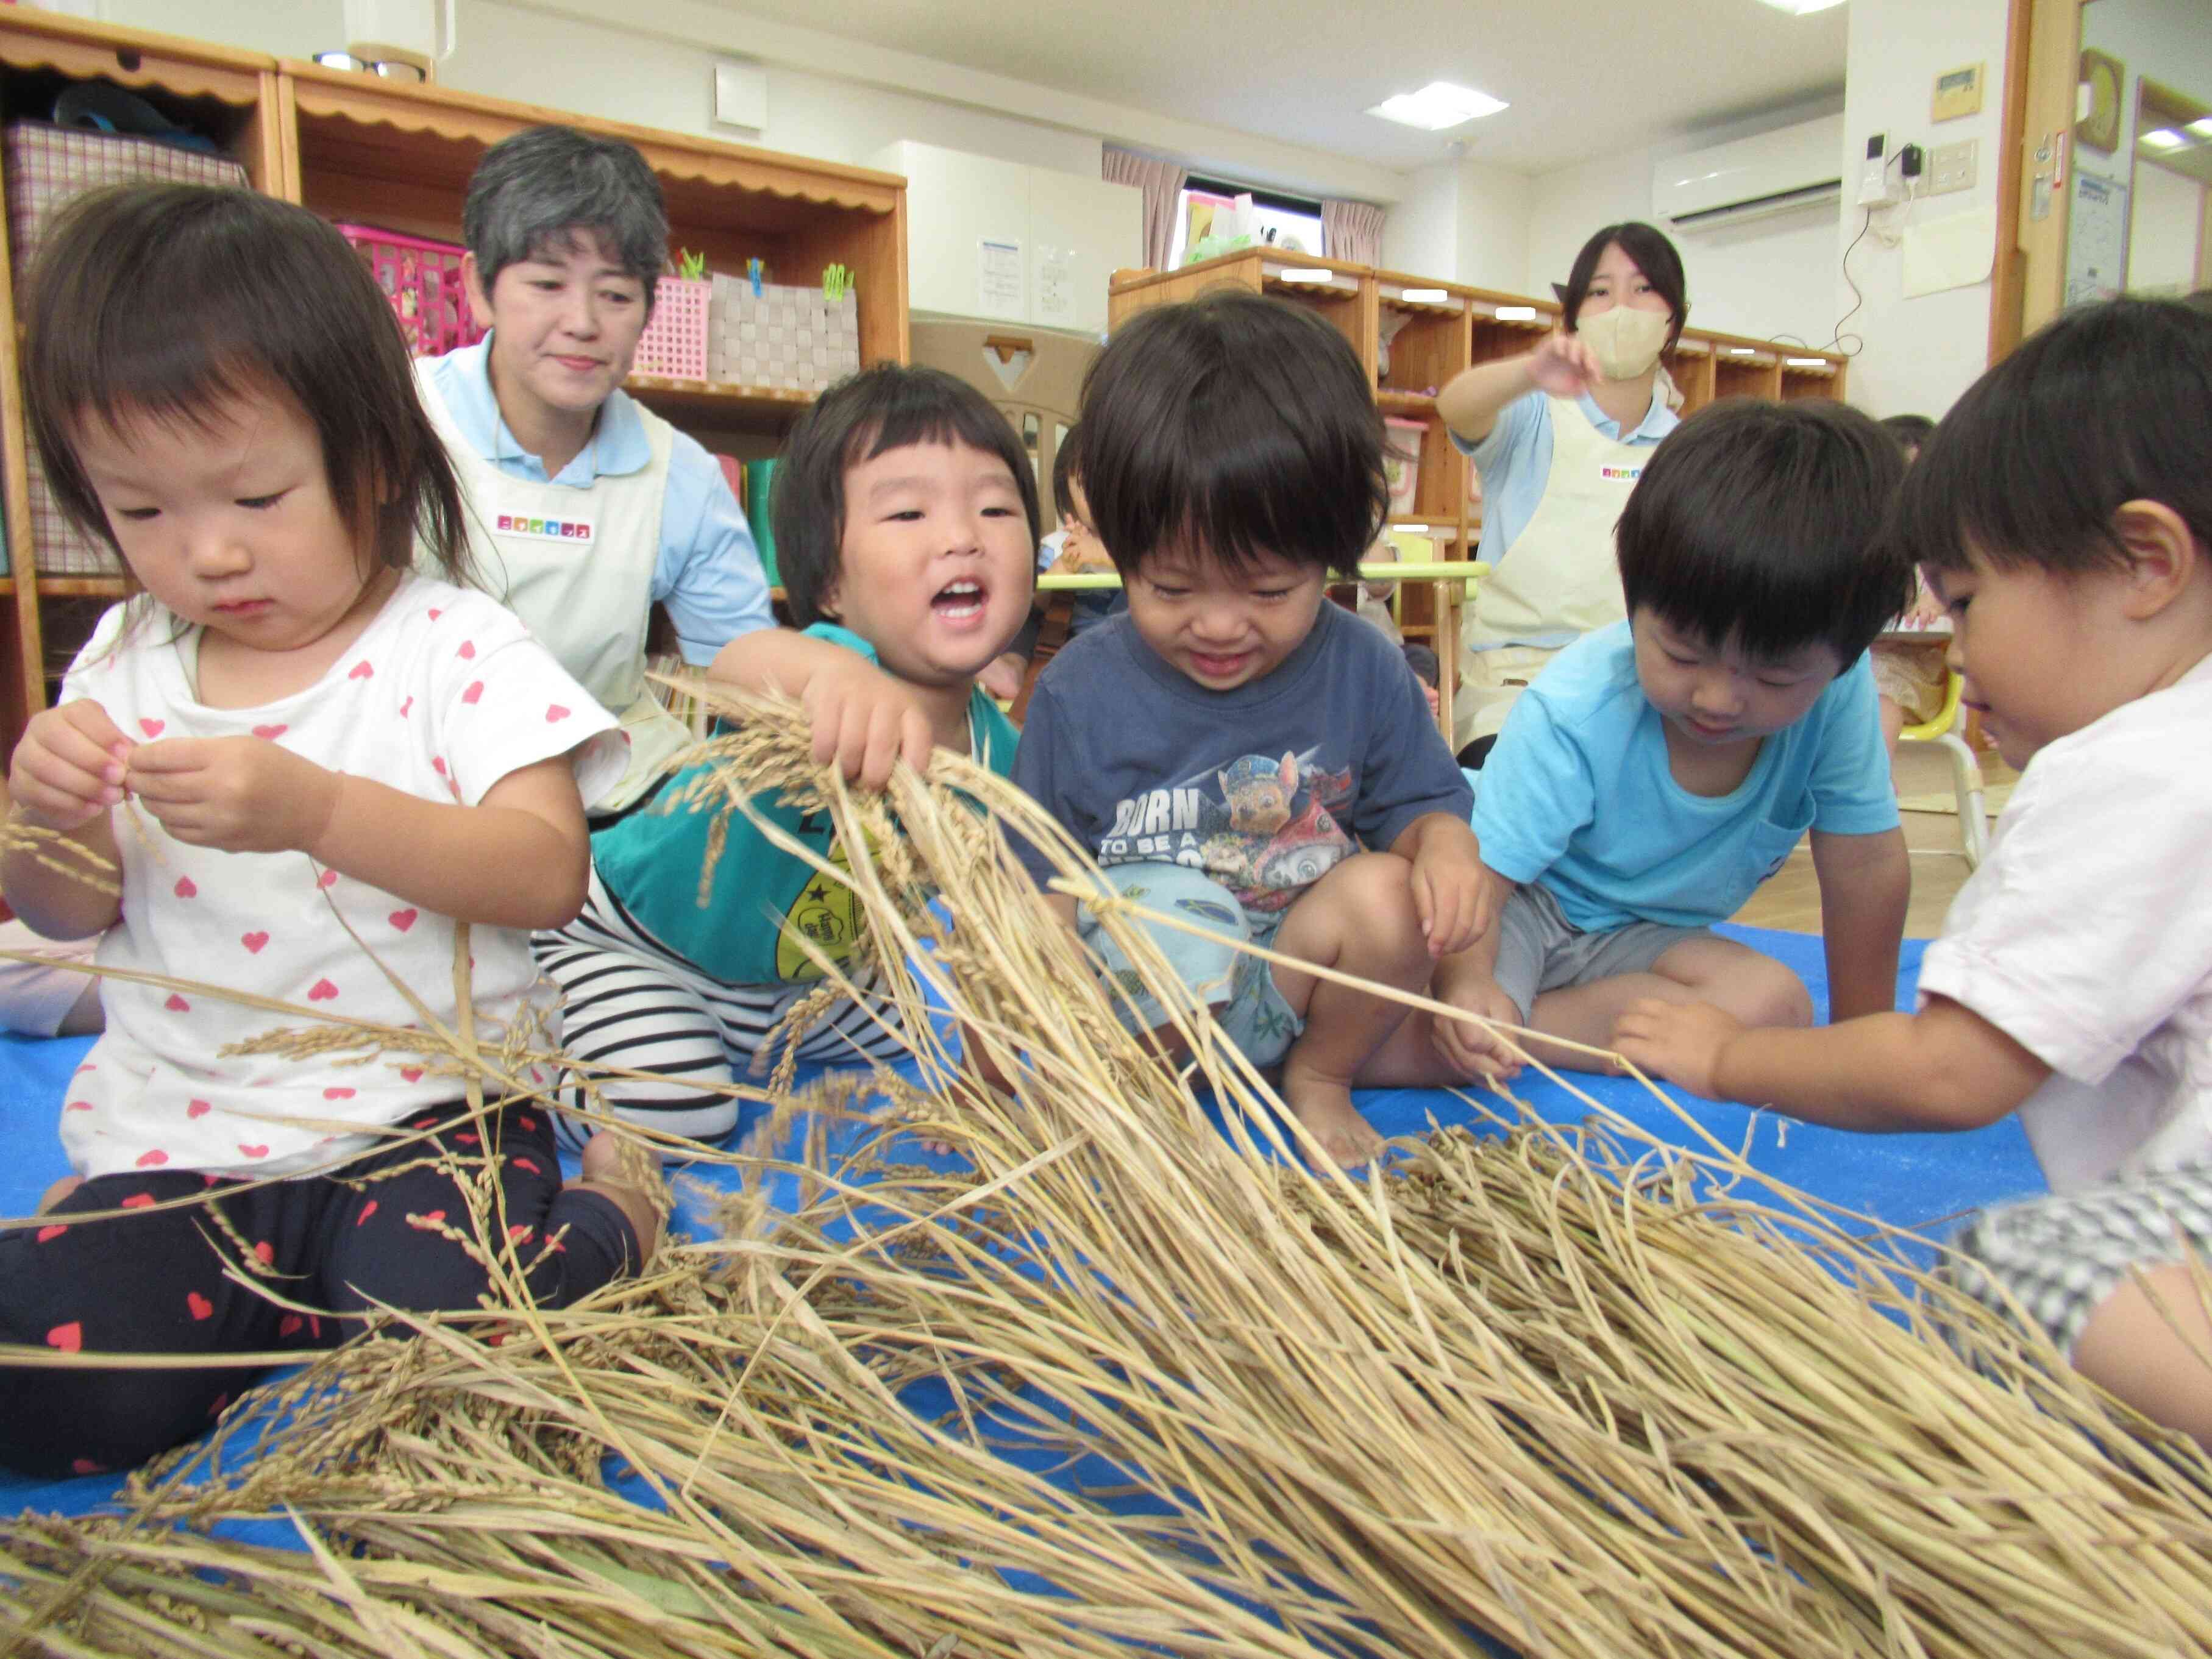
(1274, 847)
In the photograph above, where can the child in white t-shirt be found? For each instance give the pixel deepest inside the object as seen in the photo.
(314, 769)
(2063, 511)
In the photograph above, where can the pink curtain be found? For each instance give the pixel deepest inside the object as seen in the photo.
(1162, 183)
(1352, 231)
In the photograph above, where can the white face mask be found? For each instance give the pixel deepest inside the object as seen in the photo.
(1626, 341)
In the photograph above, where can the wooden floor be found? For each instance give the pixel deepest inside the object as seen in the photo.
(1792, 899)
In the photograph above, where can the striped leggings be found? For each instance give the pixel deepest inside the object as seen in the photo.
(628, 1001)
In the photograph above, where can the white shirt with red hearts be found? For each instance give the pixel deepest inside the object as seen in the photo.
(443, 695)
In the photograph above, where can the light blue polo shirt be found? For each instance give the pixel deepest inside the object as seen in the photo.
(1515, 461)
(1578, 795)
(707, 574)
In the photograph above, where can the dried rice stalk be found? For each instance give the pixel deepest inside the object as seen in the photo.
(1563, 1388)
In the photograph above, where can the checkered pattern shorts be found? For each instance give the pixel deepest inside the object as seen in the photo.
(2059, 1258)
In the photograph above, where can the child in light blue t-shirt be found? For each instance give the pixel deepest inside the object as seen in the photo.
(1659, 770)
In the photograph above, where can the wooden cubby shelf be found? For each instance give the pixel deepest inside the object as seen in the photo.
(354, 147)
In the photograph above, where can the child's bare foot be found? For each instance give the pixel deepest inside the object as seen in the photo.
(1324, 1106)
(55, 1193)
(604, 1175)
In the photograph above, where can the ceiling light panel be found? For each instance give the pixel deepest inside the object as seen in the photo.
(1437, 106)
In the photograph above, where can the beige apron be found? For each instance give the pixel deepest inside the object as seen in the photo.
(577, 566)
(1559, 577)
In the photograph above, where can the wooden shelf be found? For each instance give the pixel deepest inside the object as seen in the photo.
(1405, 403)
(711, 402)
(397, 154)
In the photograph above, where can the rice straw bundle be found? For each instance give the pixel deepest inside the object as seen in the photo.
(1555, 1386)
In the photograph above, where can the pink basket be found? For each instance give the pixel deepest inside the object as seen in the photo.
(674, 344)
(423, 280)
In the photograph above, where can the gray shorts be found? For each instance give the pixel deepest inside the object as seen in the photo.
(1539, 950)
(2058, 1259)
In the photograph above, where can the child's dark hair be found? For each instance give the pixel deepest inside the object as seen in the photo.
(1654, 256)
(1423, 662)
(169, 300)
(1759, 524)
(1229, 426)
(1912, 433)
(1067, 474)
(2106, 405)
(883, 408)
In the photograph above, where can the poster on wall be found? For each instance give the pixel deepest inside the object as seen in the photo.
(1001, 291)
(2096, 239)
(1055, 284)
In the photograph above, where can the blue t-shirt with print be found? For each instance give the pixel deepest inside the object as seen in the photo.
(649, 863)
(1266, 786)
(1578, 794)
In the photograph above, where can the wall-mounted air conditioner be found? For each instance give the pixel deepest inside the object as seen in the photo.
(1778, 172)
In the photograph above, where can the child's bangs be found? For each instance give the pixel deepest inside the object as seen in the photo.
(1222, 480)
(919, 412)
(2104, 406)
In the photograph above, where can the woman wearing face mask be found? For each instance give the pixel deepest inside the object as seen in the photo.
(1560, 437)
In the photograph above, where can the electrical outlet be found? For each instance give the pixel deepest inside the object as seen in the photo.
(1952, 166)
(1874, 187)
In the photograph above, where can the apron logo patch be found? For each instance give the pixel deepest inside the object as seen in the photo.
(1620, 474)
(551, 530)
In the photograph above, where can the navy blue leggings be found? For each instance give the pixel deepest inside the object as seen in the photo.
(155, 1284)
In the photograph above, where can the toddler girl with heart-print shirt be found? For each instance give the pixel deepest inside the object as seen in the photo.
(321, 776)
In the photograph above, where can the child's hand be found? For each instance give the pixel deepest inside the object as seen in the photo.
(1563, 366)
(235, 795)
(68, 766)
(1455, 895)
(1681, 1042)
(863, 720)
(1469, 1050)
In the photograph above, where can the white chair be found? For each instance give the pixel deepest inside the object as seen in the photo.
(1966, 770)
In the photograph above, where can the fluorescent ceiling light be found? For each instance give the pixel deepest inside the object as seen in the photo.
(1305, 274)
(2162, 138)
(1741, 351)
(1424, 296)
(2202, 126)
(1805, 362)
(1411, 529)
(1801, 6)
(1437, 106)
(1516, 313)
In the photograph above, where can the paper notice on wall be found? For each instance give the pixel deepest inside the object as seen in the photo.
(2096, 239)
(1055, 284)
(1001, 291)
(1956, 250)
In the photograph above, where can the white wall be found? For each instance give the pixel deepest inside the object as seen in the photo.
(1918, 354)
(1421, 235)
(1768, 278)
(2165, 220)
(831, 98)
(1493, 243)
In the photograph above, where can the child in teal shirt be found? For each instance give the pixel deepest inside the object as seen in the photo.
(906, 522)
(1659, 770)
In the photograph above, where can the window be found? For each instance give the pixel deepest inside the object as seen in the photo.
(1287, 222)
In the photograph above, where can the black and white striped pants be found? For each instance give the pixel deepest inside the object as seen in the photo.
(628, 1001)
